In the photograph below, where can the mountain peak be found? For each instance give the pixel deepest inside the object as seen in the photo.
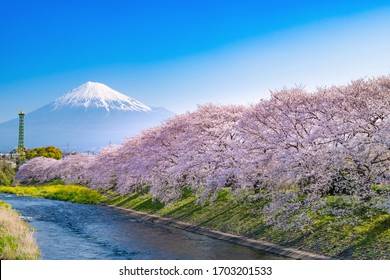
(98, 95)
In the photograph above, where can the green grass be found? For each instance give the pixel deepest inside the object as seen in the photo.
(7, 173)
(332, 236)
(70, 193)
(16, 237)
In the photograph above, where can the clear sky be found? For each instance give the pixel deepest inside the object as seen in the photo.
(177, 54)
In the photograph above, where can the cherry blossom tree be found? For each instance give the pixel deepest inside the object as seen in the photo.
(207, 149)
(310, 145)
(37, 170)
(73, 169)
(103, 172)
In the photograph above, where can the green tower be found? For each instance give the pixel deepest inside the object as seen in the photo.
(21, 131)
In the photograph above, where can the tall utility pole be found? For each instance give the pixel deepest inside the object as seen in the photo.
(21, 131)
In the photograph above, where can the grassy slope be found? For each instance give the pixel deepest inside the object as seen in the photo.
(16, 237)
(75, 194)
(368, 239)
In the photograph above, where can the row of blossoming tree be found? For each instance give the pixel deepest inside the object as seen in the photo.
(293, 151)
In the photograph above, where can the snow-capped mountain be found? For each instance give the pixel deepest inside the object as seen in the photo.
(86, 118)
(97, 95)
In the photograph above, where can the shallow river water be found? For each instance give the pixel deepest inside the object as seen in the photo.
(77, 231)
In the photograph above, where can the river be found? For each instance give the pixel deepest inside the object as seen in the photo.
(67, 231)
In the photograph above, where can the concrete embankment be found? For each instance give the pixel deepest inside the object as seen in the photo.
(256, 244)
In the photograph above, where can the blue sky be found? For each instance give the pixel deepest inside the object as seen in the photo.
(178, 54)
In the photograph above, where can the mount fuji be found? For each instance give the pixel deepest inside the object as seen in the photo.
(97, 95)
(87, 118)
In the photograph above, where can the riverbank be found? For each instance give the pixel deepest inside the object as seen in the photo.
(289, 253)
(330, 236)
(16, 237)
(70, 193)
